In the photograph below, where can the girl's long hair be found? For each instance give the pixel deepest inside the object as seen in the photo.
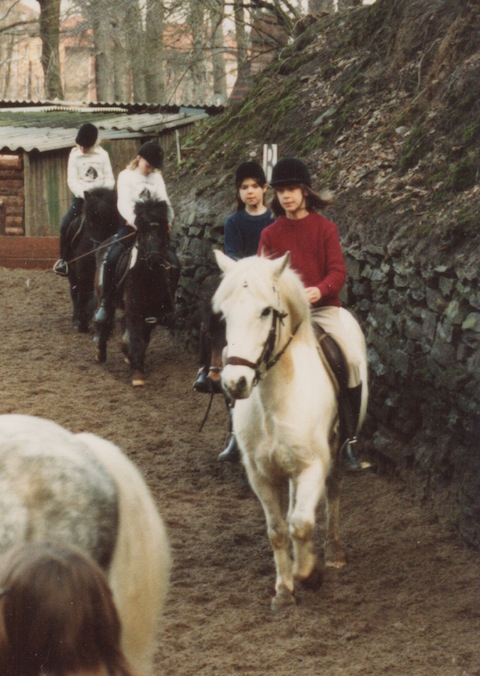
(314, 201)
(57, 613)
(134, 163)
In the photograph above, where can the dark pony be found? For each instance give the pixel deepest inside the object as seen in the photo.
(145, 288)
(211, 340)
(98, 222)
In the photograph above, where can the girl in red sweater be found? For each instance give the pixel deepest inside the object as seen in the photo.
(316, 255)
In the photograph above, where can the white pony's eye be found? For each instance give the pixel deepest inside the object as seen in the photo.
(266, 312)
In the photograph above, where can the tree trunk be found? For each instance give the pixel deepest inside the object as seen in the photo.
(154, 53)
(240, 34)
(101, 29)
(120, 52)
(318, 6)
(49, 34)
(217, 15)
(197, 67)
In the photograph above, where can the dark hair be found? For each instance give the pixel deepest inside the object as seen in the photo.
(56, 613)
(249, 169)
(314, 201)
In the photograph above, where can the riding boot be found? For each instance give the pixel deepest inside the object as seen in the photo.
(61, 266)
(106, 307)
(350, 403)
(202, 383)
(231, 453)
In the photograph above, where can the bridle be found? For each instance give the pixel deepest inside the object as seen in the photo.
(266, 358)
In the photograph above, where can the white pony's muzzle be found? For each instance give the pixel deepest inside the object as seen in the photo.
(238, 381)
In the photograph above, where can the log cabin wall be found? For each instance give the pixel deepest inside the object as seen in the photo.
(11, 195)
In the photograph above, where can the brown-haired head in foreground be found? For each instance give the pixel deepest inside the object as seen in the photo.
(57, 614)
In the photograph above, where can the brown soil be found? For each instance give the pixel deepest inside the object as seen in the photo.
(408, 602)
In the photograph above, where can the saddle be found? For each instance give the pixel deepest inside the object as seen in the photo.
(333, 358)
(124, 264)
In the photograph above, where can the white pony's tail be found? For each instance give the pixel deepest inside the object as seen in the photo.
(140, 568)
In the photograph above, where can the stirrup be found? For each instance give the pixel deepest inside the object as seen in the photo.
(349, 459)
(101, 315)
(60, 268)
(201, 383)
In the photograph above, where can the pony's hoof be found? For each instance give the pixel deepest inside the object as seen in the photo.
(283, 599)
(138, 379)
(334, 556)
(314, 580)
(124, 350)
(100, 355)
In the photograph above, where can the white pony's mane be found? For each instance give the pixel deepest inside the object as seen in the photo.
(264, 280)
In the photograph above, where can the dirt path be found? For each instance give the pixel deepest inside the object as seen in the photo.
(408, 601)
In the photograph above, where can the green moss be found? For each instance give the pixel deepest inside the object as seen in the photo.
(293, 64)
(471, 132)
(416, 147)
(464, 174)
(468, 220)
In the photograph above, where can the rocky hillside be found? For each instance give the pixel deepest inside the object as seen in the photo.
(383, 103)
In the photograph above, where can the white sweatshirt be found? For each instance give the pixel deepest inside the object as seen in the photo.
(88, 171)
(133, 186)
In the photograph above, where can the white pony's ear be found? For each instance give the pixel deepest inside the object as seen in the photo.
(281, 264)
(224, 262)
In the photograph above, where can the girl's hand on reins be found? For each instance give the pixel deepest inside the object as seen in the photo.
(313, 294)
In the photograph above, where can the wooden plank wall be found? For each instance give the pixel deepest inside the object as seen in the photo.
(28, 253)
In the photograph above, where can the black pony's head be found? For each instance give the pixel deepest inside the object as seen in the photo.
(100, 212)
(152, 227)
(150, 213)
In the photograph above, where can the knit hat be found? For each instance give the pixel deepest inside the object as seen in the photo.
(290, 171)
(152, 153)
(87, 135)
(250, 169)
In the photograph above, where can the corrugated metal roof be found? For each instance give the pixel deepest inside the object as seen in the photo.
(56, 104)
(43, 130)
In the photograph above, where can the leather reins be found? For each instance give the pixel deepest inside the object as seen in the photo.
(266, 358)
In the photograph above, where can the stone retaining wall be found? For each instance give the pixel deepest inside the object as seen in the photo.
(422, 325)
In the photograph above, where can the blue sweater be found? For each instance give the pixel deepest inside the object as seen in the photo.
(242, 233)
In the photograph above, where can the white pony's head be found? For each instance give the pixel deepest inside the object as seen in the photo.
(264, 304)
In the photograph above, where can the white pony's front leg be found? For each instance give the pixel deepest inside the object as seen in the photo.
(277, 529)
(305, 493)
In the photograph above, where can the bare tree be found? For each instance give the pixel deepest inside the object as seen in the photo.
(197, 56)
(217, 18)
(154, 52)
(49, 34)
(121, 42)
(318, 6)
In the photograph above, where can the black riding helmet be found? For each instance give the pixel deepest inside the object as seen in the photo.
(290, 171)
(87, 135)
(152, 153)
(250, 169)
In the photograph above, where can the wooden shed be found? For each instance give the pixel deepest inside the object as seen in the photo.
(35, 142)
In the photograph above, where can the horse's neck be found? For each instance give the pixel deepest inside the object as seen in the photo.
(298, 357)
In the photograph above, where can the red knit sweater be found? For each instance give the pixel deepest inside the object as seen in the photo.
(315, 252)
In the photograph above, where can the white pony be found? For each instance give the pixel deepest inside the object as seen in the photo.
(80, 489)
(286, 415)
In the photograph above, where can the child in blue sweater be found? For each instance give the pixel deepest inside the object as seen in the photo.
(242, 235)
